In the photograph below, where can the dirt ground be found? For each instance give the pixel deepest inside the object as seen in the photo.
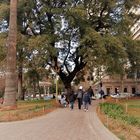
(26, 111)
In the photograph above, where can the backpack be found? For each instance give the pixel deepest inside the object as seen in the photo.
(80, 94)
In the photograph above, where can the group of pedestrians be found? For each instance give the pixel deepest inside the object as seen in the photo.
(83, 98)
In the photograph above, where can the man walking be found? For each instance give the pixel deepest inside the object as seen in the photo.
(80, 96)
(90, 93)
(86, 99)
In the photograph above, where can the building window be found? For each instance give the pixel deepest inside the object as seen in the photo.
(116, 89)
(125, 89)
(108, 91)
(133, 90)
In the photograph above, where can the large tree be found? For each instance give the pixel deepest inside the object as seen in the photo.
(11, 76)
(69, 35)
(80, 33)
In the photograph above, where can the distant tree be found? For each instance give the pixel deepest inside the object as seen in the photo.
(21, 63)
(2, 46)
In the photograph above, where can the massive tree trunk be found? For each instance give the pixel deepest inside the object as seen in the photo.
(67, 79)
(11, 76)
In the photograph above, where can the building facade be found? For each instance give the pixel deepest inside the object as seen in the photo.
(135, 29)
(112, 84)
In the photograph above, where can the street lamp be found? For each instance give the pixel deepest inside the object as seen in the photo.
(56, 88)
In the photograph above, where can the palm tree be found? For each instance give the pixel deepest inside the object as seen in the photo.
(11, 76)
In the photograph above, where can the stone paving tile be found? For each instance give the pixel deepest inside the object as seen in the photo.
(62, 124)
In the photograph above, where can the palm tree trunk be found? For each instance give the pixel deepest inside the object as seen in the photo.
(11, 76)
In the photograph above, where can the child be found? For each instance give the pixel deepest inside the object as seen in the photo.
(63, 101)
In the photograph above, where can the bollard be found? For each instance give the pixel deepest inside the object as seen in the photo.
(126, 107)
(29, 115)
(107, 121)
(99, 109)
(44, 108)
(9, 116)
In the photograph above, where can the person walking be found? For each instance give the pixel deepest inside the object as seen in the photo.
(102, 93)
(63, 101)
(71, 99)
(86, 99)
(91, 93)
(80, 96)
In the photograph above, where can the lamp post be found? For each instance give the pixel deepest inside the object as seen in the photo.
(135, 76)
(56, 88)
(44, 90)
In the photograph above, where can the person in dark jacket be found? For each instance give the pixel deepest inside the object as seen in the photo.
(102, 93)
(71, 99)
(86, 99)
(80, 96)
(91, 93)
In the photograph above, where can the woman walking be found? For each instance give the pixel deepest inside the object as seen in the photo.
(80, 96)
(86, 99)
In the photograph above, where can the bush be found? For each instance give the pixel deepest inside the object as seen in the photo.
(130, 120)
(112, 110)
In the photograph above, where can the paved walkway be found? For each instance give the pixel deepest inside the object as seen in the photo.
(62, 124)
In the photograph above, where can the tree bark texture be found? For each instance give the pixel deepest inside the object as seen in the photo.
(11, 76)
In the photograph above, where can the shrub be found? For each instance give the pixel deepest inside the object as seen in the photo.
(116, 111)
(130, 120)
(112, 110)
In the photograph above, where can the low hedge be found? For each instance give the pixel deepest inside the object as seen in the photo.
(116, 111)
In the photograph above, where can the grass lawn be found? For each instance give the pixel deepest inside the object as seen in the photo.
(122, 117)
(28, 109)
